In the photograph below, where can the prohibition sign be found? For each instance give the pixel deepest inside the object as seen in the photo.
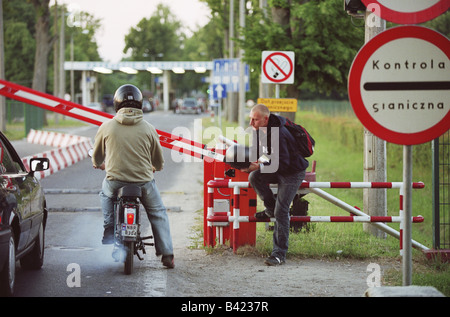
(408, 11)
(278, 67)
(399, 85)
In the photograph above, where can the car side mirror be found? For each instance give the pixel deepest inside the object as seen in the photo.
(39, 164)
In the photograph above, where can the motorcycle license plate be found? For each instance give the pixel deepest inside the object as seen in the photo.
(129, 230)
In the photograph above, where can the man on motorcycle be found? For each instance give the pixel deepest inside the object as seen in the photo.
(127, 147)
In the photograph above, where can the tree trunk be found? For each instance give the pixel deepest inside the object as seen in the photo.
(282, 16)
(43, 45)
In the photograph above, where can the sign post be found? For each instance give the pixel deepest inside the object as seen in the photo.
(399, 88)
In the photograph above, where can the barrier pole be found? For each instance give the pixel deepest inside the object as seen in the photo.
(210, 231)
(236, 214)
(312, 187)
(401, 215)
(357, 212)
(366, 219)
(407, 205)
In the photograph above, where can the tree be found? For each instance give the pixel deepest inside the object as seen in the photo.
(20, 42)
(85, 47)
(159, 34)
(440, 24)
(319, 32)
(19, 26)
(156, 38)
(205, 44)
(220, 15)
(19, 53)
(44, 43)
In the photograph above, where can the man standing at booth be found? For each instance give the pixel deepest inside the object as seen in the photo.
(284, 167)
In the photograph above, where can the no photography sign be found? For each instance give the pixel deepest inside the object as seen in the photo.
(399, 85)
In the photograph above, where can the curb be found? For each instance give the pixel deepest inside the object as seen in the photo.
(70, 150)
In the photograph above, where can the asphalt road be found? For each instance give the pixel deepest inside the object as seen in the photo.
(76, 263)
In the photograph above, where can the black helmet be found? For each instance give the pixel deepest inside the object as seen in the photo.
(127, 96)
(237, 156)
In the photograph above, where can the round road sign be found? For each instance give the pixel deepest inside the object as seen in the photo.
(399, 85)
(277, 67)
(408, 11)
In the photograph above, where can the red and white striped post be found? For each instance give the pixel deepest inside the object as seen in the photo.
(236, 214)
(210, 232)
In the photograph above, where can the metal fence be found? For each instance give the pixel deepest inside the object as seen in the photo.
(441, 192)
(31, 116)
(15, 111)
(328, 107)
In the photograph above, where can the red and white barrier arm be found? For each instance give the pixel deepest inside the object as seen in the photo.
(226, 219)
(227, 183)
(71, 109)
(416, 185)
(52, 103)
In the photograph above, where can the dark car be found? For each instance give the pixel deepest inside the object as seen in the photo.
(23, 215)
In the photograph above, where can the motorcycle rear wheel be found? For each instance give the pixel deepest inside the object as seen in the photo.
(129, 256)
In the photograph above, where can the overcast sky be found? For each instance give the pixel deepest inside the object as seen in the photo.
(118, 16)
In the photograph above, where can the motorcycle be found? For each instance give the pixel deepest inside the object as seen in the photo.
(128, 241)
(127, 235)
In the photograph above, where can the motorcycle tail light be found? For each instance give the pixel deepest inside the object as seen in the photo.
(130, 214)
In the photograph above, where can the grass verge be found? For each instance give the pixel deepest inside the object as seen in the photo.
(16, 130)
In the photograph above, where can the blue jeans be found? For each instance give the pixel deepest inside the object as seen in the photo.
(152, 202)
(279, 205)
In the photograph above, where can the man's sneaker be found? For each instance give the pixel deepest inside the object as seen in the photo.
(264, 214)
(273, 261)
(167, 261)
(108, 235)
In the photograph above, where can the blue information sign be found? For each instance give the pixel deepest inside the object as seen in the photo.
(226, 72)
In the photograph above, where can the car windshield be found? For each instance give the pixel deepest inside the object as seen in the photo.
(189, 103)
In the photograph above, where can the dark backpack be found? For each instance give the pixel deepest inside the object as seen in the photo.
(305, 142)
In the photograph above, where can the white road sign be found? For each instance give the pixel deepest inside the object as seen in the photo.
(399, 85)
(277, 67)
